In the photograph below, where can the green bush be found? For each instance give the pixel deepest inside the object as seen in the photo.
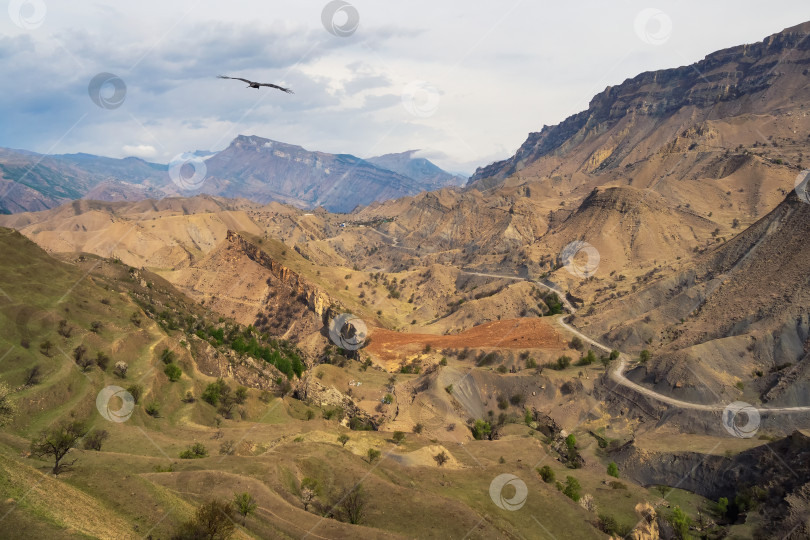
(213, 391)
(562, 363)
(136, 391)
(167, 356)
(572, 489)
(153, 409)
(173, 372)
(613, 470)
(546, 473)
(195, 451)
(481, 429)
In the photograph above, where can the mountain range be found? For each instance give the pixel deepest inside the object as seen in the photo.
(597, 304)
(250, 167)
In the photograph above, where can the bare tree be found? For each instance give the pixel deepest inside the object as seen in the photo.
(7, 407)
(309, 489)
(33, 375)
(351, 505)
(212, 521)
(95, 439)
(57, 441)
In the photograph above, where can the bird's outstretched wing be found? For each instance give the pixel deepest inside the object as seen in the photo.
(277, 87)
(234, 78)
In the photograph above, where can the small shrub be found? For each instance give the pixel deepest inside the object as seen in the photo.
(572, 488)
(441, 458)
(173, 372)
(481, 429)
(136, 391)
(373, 454)
(167, 356)
(613, 469)
(102, 360)
(195, 451)
(227, 448)
(153, 409)
(546, 473)
(94, 439)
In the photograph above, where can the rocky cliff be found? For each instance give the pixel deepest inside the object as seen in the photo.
(723, 82)
(318, 301)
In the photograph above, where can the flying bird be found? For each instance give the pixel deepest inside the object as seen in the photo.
(252, 84)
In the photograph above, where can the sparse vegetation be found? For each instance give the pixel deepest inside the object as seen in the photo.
(173, 372)
(547, 474)
(213, 520)
(194, 451)
(245, 505)
(95, 439)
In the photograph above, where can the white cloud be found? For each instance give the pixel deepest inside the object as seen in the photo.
(140, 150)
(502, 69)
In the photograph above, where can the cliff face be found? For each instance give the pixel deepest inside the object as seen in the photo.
(318, 301)
(724, 81)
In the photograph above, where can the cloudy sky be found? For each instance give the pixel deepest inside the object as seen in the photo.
(464, 81)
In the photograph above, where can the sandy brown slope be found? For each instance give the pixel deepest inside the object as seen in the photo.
(736, 324)
(724, 134)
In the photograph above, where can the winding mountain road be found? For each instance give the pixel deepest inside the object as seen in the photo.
(616, 373)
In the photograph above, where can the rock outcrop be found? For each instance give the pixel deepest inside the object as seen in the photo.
(318, 301)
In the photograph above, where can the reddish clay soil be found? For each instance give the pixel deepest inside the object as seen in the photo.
(527, 333)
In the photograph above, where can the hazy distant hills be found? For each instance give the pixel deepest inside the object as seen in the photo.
(30, 181)
(251, 167)
(263, 170)
(419, 169)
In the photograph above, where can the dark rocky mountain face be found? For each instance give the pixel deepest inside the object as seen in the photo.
(760, 78)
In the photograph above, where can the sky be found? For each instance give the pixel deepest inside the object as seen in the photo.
(462, 81)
